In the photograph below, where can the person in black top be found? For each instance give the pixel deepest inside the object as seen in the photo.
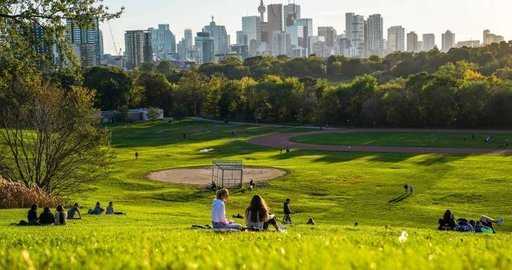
(32, 215)
(287, 212)
(46, 218)
(447, 223)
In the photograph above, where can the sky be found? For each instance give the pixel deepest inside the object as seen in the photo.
(467, 18)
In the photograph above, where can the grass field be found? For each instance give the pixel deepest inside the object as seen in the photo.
(411, 139)
(337, 189)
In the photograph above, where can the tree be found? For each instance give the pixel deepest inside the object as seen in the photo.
(52, 136)
(112, 86)
(157, 91)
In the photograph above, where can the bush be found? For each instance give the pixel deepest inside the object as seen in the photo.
(17, 195)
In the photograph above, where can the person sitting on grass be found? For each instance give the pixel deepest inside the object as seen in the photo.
(488, 223)
(447, 223)
(219, 220)
(31, 217)
(110, 210)
(74, 212)
(97, 210)
(46, 218)
(258, 217)
(60, 216)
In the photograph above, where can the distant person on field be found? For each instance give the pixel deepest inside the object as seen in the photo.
(110, 210)
(287, 212)
(97, 210)
(252, 185)
(219, 220)
(488, 222)
(74, 212)
(60, 216)
(46, 218)
(447, 223)
(258, 217)
(136, 155)
(31, 217)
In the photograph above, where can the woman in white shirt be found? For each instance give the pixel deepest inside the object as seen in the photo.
(219, 220)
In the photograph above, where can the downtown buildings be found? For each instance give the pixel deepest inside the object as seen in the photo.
(280, 30)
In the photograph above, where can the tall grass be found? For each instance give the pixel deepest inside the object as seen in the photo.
(17, 195)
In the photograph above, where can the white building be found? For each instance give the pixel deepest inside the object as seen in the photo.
(396, 39)
(220, 38)
(429, 42)
(374, 35)
(448, 40)
(354, 29)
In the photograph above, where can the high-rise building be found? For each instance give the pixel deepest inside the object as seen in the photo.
(134, 48)
(205, 48)
(374, 35)
(185, 46)
(252, 28)
(396, 39)
(448, 40)
(490, 38)
(188, 39)
(220, 37)
(291, 13)
(412, 42)
(280, 43)
(275, 18)
(241, 38)
(354, 29)
(148, 47)
(86, 42)
(329, 35)
(304, 26)
(163, 42)
(429, 42)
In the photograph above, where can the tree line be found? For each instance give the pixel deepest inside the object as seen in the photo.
(464, 88)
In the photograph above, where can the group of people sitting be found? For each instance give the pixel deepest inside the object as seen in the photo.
(484, 225)
(258, 216)
(60, 217)
(98, 210)
(48, 218)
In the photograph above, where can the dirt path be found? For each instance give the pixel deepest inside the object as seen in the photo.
(203, 176)
(278, 140)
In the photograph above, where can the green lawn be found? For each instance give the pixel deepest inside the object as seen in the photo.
(337, 189)
(412, 139)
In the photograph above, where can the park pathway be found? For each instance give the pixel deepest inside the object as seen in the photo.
(279, 140)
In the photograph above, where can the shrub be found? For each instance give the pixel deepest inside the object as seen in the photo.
(17, 195)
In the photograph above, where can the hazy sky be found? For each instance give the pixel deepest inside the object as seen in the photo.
(467, 18)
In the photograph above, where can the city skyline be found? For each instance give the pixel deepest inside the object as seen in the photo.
(323, 12)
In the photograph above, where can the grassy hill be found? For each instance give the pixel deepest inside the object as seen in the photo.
(337, 189)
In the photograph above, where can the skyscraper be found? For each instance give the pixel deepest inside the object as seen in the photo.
(220, 37)
(291, 13)
(374, 36)
(163, 42)
(188, 39)
(275, 18)
(429, 42)
(396, 39)
(134, 48)
(304, 26)
(448, 40)
(354, 29)
(280, 43)
(205, 48)
(329, 34)
(412, 42)
(241, 38)
(85, 41)
(148, 47)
